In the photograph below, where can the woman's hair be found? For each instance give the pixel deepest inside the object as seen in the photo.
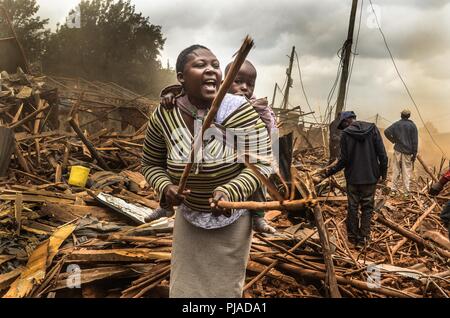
(183, 56)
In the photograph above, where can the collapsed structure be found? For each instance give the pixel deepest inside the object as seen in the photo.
(59, 240)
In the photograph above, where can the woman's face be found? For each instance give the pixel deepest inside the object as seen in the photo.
(201, 77)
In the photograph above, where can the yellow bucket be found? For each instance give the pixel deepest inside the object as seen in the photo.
(78, 176)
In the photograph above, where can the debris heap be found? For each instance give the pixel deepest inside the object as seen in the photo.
(59, 240)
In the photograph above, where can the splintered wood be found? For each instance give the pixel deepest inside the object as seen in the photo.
(58, 240)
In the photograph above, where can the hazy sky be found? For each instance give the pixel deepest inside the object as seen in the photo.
(418, 33)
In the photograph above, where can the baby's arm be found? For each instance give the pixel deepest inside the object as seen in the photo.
(168, 96)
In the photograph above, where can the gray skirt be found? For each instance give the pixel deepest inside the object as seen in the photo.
(209, 263)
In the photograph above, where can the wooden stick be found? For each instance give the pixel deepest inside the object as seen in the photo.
(390, 292)
(412, 236)
(323, 235)
(427, 170)
(274, 194)
(275, 263)
(413, 228)
(271, 205)
(28, 117)
(308, 184)
(88, 144)
(437, 238)
(20, 158)
(235, 67)
(17, 115)
(18, 206)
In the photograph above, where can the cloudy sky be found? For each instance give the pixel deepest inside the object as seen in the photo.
(417, 31)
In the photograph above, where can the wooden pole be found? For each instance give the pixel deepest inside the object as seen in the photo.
(312, 274)
(29, 117)
(326, 251)
(307, 189)
(88, 144)
(347, 49)
(289, 79)
(274, 95)
(18, 206)
(412, 236)
(229, 78)
(271, 205)
(413, 228)
(427, 170)
(20, 158)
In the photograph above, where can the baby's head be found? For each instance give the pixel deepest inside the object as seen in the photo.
(244, 83)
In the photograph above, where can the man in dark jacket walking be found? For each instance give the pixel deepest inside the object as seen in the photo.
(403, 134)
(364, 159)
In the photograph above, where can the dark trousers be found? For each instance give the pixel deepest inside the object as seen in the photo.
(360, 195)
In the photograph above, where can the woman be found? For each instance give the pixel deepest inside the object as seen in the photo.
(210, 245)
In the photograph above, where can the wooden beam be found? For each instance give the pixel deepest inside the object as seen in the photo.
(88, 144)
(6, 149)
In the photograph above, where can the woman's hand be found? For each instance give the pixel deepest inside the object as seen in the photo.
(215, 209)
(172, 197)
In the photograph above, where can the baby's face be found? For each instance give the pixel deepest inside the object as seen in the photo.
(244, 83)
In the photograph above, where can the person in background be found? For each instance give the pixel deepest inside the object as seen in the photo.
(404, 135)
(435, 189)
(364, 160)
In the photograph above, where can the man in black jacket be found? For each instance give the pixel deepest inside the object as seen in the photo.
(403, 134)
(364, 159)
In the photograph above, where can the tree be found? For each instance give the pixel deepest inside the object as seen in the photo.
(112, 43)
(30, 29)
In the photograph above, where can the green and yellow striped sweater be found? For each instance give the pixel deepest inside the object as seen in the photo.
(168, 143)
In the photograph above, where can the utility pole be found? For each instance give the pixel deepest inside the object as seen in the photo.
(347, 49)
(289, 79)
(274, 94)
(335, 133)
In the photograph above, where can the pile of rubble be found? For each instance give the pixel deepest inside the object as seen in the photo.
(59, 240)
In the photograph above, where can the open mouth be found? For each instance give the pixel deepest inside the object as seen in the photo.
(210, 84)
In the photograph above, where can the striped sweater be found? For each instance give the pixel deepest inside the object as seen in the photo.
(168, 143)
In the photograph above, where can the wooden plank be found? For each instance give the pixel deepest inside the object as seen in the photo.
(88, 144)
(29, 117)
(413, 228)
(94, 274)
(6, 258)
(68, 212)
(35, 198)
(6, 149)
(8, 278)
(18, 206)
(34, 273)
(135, 255)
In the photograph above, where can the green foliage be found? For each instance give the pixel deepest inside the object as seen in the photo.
(114, 43)
(30, 28)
